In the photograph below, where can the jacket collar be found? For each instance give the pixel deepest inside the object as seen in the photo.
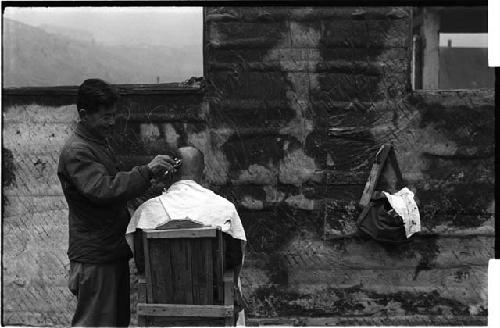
(85, 132)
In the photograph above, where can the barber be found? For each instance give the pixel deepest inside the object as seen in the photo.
(97, 192)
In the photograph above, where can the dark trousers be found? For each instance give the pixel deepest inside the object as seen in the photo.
(103, 294)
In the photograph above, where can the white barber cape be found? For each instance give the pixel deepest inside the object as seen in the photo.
(187, 200)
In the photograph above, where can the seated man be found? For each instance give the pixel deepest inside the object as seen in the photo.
(187, 201)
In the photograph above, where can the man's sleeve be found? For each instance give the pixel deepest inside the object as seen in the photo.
(234, 252)
(139, 251)
(93, 180)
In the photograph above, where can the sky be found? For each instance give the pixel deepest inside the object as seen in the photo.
(464, 40)
(121, 25)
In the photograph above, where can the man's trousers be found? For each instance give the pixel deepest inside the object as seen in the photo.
(103, 294)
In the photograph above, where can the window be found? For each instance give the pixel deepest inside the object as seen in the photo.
(123, 45)
(450, 48)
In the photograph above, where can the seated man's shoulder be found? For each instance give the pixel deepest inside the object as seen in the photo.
(155, 201)
(224, 201)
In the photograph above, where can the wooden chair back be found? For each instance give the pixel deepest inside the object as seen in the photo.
(185, 280)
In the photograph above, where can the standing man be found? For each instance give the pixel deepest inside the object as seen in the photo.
(96, 192)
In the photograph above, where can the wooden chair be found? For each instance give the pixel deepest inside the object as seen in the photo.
(184, 282)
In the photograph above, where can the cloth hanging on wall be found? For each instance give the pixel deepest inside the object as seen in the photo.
(404, 205)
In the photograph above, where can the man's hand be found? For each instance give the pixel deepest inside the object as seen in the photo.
(160, 164)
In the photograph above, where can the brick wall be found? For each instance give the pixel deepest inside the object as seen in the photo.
(298, 101)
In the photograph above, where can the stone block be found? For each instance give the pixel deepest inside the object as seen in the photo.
(243, 151)
(296, 167)
(465, 126)
(265, 14)
(452, 168)
(252, 114)
(307, 14)
(340, 66)
(256, 174)
(341, 215)
(247, 14)
(265, 86)
(394, 59)
(443, 199)
(346, 87)
(135, 138)
(274, 194)
(366, 33)
(298, 89)
(215, 14)
(237, 56)
(250, 203)
(269, 231)
(247, 35)
(302, 202)
(348, 13)
(305, 34)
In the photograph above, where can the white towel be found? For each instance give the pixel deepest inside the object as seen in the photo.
(187, 200)
(404, 204)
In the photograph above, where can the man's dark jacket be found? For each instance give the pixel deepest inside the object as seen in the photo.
(97, 192)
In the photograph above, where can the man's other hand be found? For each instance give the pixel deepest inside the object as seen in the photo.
(160, 164)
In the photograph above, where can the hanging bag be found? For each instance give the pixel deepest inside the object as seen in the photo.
(378, 219)
(381, 222)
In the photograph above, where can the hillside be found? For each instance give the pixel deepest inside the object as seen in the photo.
(34, 57)
(72, 33)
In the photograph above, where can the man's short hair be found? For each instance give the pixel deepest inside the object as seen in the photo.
(194, 163)
(94, 93)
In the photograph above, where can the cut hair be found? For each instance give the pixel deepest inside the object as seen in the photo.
(94, 93)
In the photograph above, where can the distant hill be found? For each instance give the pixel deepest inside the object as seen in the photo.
(34, 57)
(72, 33)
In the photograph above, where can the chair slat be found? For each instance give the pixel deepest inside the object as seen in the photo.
(212, 311)
(182, 233)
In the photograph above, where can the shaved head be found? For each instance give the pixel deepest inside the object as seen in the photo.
(193, 163)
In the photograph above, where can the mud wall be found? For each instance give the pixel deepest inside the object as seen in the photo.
(300, 100)
(36, 121)
(297, 103)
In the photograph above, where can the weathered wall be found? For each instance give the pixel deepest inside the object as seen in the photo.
(34, 214)
(34, 218)
(298, 101)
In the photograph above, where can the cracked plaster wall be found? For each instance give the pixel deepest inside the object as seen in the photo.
(298, 101)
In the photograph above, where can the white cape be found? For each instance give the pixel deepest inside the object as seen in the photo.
(187, 200)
